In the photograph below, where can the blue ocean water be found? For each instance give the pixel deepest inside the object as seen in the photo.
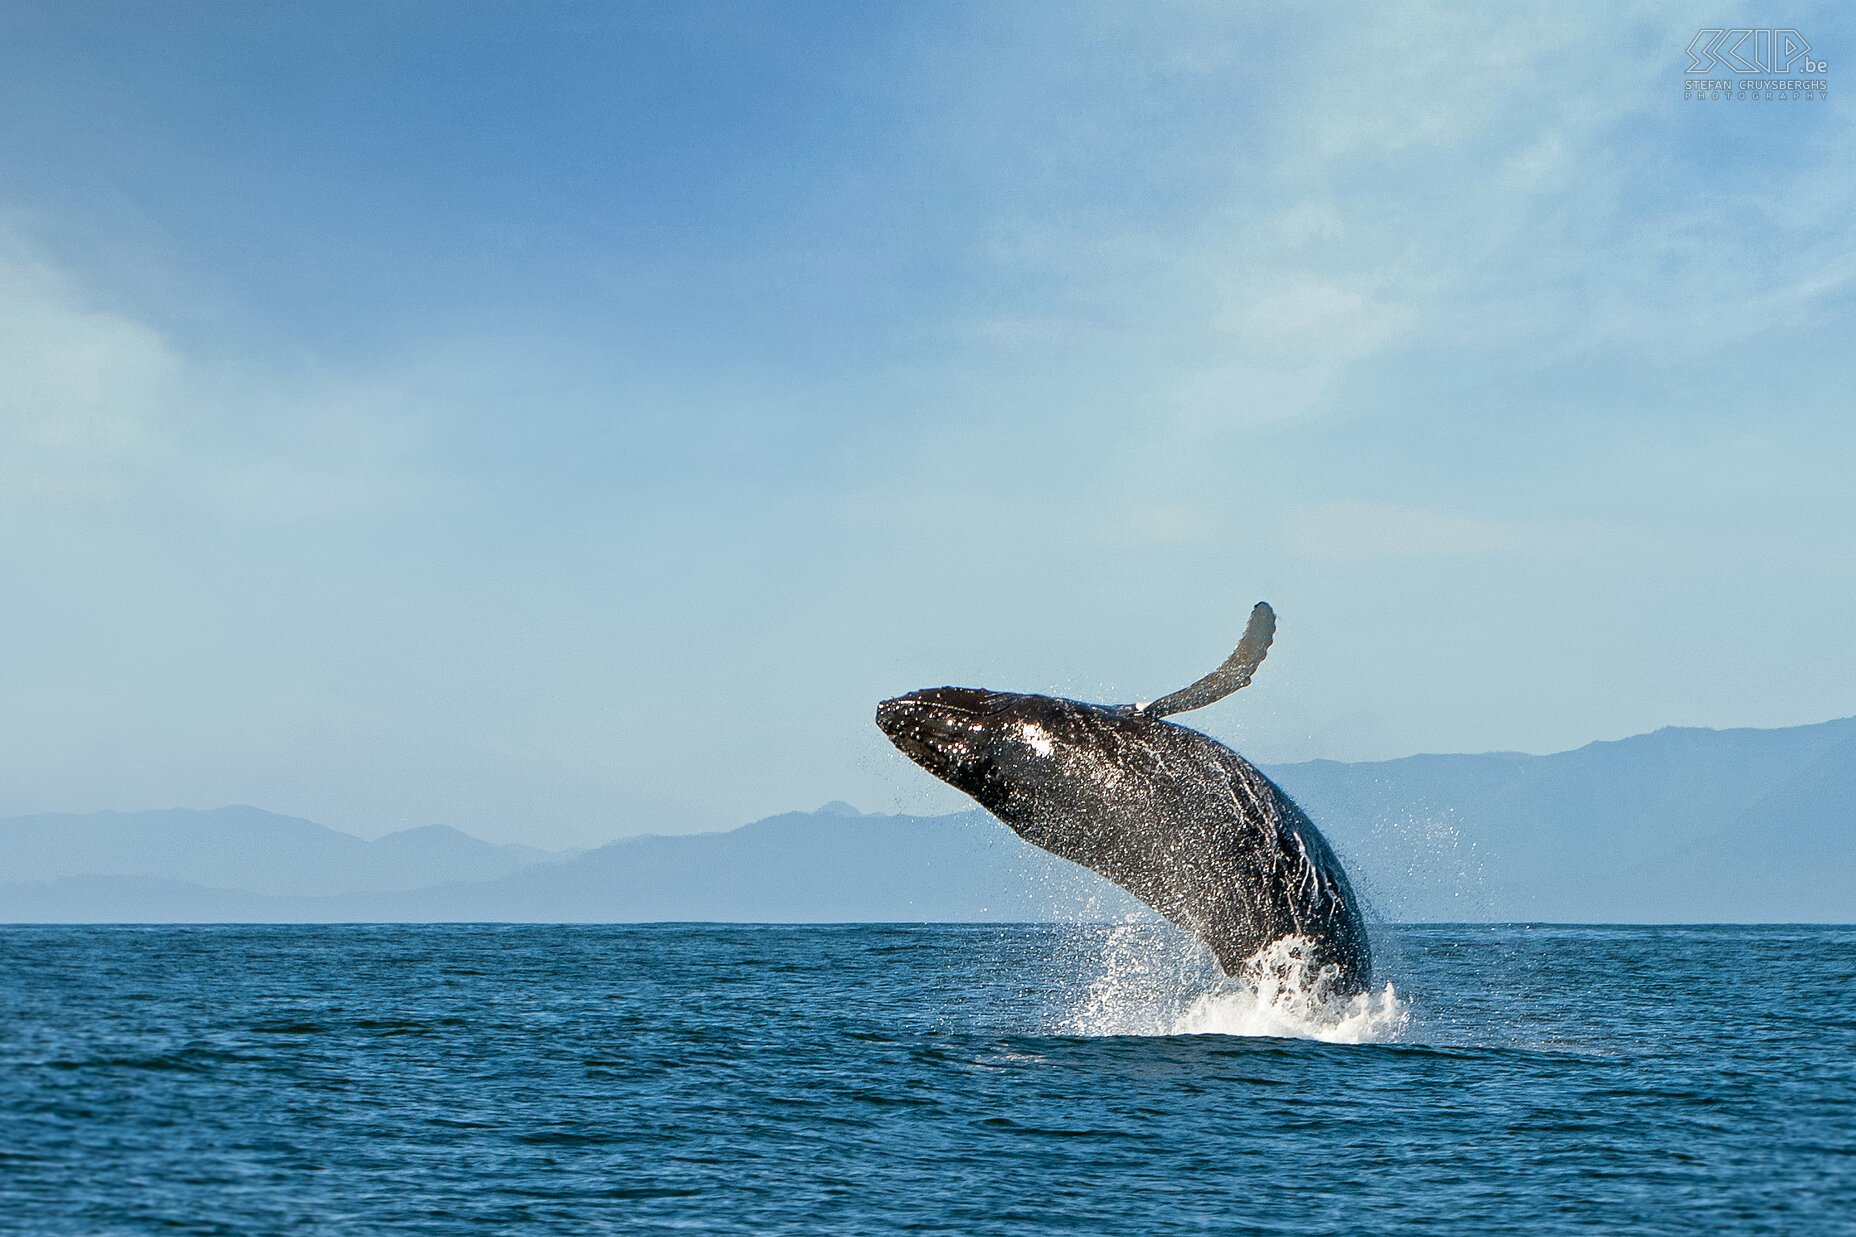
(936, 1079)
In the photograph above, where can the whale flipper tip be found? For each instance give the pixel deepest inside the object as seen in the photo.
(1234, 673)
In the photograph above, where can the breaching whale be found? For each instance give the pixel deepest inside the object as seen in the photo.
(1173, 816)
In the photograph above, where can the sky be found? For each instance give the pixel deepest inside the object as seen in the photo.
(564, 421)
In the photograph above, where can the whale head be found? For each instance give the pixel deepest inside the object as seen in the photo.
(1023, 757)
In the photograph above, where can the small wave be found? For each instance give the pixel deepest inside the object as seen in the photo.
(1151, 981)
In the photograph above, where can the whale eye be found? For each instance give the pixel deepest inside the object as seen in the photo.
(1037, 738)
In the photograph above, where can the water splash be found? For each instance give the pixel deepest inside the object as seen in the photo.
(1440, 870)
(1151, 980)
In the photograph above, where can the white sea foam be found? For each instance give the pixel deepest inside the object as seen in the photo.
(1148, 980)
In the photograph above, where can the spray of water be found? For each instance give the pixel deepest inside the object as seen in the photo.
(1146, 979)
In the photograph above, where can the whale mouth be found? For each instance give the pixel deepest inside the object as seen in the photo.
(936, 726)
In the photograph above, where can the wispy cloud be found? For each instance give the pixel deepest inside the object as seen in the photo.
(84, 391)
(98, 407)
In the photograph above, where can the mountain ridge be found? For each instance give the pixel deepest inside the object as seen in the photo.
(1681, 824)
(246, 848)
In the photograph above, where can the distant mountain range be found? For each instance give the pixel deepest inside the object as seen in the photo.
(1681, 825)
(246, 849)
(242, 864)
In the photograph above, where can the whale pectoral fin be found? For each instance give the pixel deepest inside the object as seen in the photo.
(1229, 677)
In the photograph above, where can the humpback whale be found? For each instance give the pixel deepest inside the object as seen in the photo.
(1171, 815)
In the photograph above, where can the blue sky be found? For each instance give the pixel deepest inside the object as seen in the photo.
(568, 420)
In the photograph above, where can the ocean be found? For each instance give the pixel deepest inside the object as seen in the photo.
(935, 1079)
